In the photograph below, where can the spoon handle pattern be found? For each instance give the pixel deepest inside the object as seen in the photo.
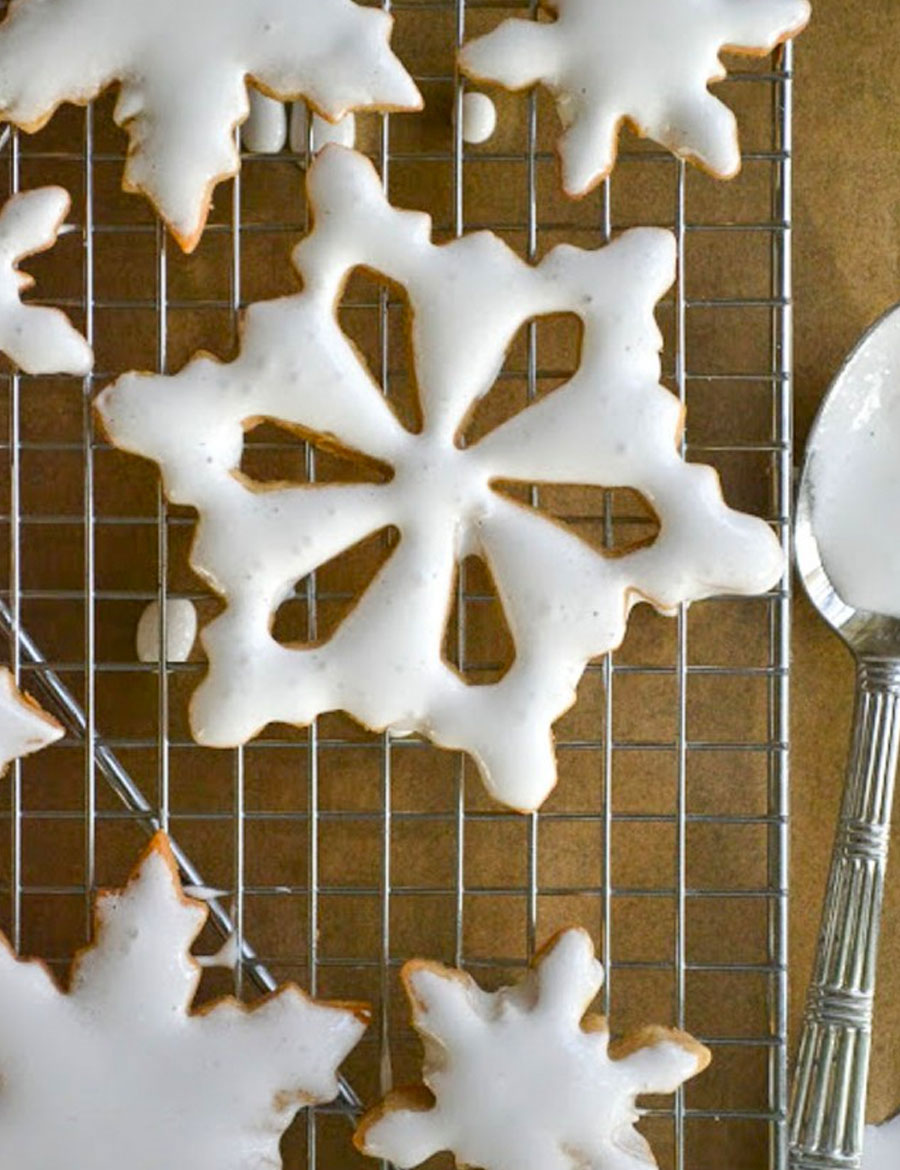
(829, 1098)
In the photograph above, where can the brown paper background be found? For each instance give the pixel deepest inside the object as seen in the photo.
(846, 235)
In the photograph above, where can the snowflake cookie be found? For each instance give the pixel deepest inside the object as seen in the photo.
(38, 339)
(647, 62)
(612, 424)
(24, 726)
(521, 1078)
(183, 68)
(119, 1072)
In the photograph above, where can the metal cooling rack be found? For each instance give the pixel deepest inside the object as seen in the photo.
(633, 786)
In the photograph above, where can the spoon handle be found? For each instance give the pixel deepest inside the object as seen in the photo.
(829, 1098)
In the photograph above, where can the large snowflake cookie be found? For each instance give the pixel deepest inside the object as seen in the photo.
(40, 340)
(119, 1072)
(24, 726)
(183, 68)
(611, 424)
(647, 62)
(520, 1078)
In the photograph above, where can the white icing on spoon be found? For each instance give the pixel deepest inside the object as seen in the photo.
(854, 469)
(882, 1148)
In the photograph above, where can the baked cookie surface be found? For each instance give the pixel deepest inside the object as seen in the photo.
(647, 62)
(24, 726)
(565, 601)
(520, 1078)
(38, 339)
(182, 67)
(120, 1072)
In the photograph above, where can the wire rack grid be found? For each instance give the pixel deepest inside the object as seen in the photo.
(333, 855)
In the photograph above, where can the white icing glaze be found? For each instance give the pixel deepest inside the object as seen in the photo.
(265, 131)
(342, 132)
(119, 1072)
(181, 631)
(183, 71)
(520, 1080)
(204, 893)
(38, 339)
(611, 424)
(479, 115)
(855, 475)
(647, 61)
(882, 1148)
(228, 955)
(24, 726)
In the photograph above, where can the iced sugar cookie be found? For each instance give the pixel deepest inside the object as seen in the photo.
(120, 1072)
(647, 62)
(24, 726)
(182, 68)
(521, 1078)
(565, 602)
(39, 340)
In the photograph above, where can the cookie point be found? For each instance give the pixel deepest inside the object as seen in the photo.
(159, 846)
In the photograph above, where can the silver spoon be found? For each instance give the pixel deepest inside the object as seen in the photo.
(848, 556)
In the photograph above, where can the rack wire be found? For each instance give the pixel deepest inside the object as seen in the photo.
(338, 854)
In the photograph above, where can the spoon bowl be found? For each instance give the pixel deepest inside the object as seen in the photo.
(860, 387)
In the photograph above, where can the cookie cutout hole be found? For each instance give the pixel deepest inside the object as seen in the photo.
(276, 455)
(478, 643)
(613, 521)
(376, 317)
(319, 602)
(543, 355)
